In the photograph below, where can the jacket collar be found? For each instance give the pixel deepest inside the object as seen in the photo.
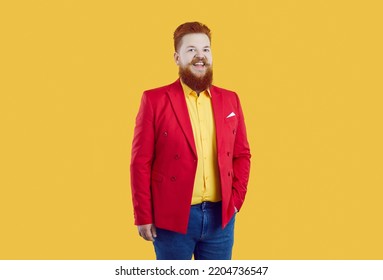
(177, 99)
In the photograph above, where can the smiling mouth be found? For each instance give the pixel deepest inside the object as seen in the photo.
(200, 66)
(200, 63)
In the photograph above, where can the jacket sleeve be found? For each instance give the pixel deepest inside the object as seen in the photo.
(241, 161)
(141, 162)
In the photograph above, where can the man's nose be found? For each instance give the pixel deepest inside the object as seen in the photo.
(199, 54)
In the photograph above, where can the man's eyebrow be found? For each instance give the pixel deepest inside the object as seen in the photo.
(195, 47)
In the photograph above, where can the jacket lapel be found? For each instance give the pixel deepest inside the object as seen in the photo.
(217, 104)
(177, 98)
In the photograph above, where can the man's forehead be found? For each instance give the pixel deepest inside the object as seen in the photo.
(196, 38)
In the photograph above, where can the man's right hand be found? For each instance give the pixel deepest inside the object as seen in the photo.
(147, 232)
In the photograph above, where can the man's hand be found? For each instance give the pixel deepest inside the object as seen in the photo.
(147, 232)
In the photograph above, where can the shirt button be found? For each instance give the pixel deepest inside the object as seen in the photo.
(228, 174)
(165, 133)
(228, 154)
(233, 131)
(173, 178)
(177, 156)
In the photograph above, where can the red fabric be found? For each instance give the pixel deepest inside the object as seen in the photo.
(164, 157)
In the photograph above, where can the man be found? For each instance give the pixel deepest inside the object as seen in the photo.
(190, 157)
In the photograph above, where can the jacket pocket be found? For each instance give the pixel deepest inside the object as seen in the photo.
(231, 119)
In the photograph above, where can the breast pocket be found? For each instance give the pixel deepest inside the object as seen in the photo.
(231, 122)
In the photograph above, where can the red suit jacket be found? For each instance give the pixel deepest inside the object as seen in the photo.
(164, 157)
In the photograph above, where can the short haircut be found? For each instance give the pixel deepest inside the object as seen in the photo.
(188, 28)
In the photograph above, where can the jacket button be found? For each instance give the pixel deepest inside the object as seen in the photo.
(177, 156)
(173, 178)
(228, 174)
(233, 131)
(165, 133)
(228, 154)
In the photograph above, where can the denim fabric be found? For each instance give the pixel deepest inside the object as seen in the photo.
(205, 237)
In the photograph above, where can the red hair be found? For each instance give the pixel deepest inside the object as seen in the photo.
(188, 28)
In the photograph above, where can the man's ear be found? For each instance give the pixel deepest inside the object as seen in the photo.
(176, 58)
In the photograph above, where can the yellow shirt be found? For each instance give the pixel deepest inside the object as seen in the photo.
(206, 183)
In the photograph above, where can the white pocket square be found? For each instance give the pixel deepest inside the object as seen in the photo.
(232, 114)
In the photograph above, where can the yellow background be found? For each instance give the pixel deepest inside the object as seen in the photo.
(309, 75)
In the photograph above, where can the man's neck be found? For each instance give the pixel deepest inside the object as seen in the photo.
(187, 88)
(196, 91)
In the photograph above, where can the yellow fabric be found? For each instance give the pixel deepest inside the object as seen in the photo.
(206, 183)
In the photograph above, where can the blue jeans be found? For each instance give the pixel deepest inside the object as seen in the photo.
(205, 237)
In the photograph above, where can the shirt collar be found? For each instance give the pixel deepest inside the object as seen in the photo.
(188, 90)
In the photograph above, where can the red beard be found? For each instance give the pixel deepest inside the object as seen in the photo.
(198, 84)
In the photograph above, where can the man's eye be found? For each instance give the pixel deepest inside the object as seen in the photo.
(206, 50)
(191, 50)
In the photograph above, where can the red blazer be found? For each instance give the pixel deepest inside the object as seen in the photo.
(164, 157)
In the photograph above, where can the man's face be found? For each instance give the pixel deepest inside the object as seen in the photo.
(195, 61)
(194, 54)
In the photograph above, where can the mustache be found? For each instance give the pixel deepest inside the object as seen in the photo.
(199, 59)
